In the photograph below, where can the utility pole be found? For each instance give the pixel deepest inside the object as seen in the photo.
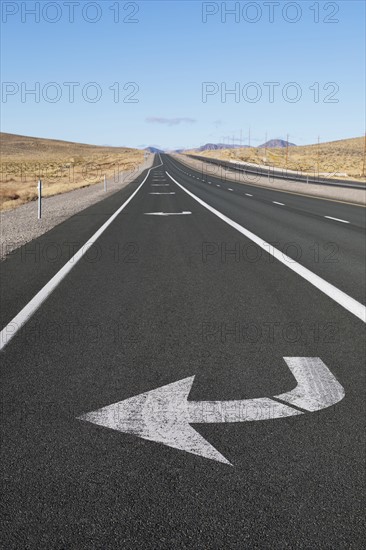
(287, 150)
(364, 156)
(318, 160)
(249, 137)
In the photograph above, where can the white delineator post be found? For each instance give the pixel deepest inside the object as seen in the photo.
(105, 184)
(39, 199)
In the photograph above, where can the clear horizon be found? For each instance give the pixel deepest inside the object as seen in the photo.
(164, 149)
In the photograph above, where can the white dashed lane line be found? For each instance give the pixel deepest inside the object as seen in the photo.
(336, 219)
(347, 302)
(249, 195)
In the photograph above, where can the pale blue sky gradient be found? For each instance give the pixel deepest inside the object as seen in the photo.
(169, 53)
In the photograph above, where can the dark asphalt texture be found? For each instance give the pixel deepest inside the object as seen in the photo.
(148, 308)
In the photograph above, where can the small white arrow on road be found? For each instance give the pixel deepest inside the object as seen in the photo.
(165, 415)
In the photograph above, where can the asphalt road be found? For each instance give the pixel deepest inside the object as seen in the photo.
(283, 174)
(158, 300)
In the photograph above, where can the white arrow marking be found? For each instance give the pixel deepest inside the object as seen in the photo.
(316, 388)
(167, 213)
(165, 414)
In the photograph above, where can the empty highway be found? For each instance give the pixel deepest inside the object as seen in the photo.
(183, 367)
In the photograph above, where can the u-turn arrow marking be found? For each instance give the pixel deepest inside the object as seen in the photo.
(165, 415)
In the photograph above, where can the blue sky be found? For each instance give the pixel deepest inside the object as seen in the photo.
(168, 50)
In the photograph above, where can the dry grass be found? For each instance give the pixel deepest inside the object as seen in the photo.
(61, 165)
(343, 158)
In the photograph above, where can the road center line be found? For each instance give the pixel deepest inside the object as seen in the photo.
(280, 203)
(26, 313)
(248, 195)
(157, 193)
(347, 302)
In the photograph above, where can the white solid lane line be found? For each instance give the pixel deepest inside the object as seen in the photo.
(336, 219)
(280, 203)
(347, 302)
(184, 213)
(26, 313)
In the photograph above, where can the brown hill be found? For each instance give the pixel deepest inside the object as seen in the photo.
(344, 158)
(62, 166)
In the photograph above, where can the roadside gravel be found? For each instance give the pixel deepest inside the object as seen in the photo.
(21, 225)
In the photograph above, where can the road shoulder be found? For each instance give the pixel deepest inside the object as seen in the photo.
(21, 225)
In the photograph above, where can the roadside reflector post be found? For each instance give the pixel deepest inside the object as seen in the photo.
(105, 184)
(39, 199)
(307, 178)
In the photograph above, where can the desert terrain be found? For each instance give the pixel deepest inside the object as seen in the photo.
(62, 166)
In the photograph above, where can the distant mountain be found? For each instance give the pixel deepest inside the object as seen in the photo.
(216, 146)
(273, 143)
(153, 150)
